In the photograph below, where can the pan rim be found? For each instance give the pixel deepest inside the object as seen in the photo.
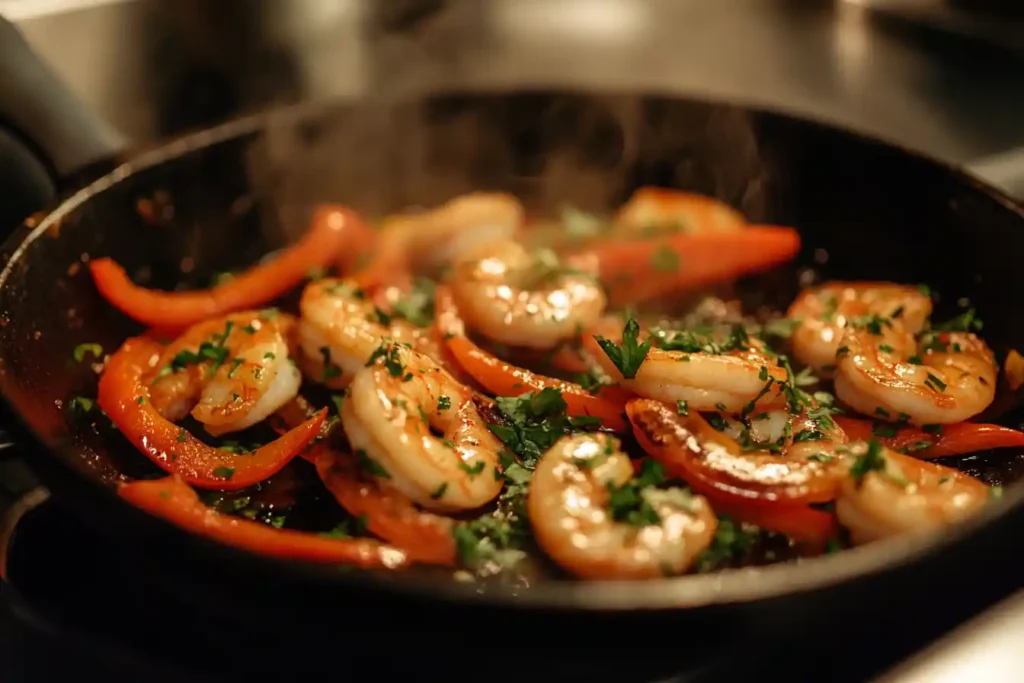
(686, 592)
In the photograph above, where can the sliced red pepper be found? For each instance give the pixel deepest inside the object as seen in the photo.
(704, 455)
(811, 527)
(504, 379)
(124, 397)
(426, 537)
(953, 439)
(173, 500)
(641, 270)
(668, 446)
(332, 230)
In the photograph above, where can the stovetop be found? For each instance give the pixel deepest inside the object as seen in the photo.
(71, 606)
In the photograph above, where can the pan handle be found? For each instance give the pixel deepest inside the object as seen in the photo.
(46, 133)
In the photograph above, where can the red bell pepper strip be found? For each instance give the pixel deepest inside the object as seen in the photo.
(636, 271)
(424, 536)
(953, 439)
(706, 455)
(332, 229)
(505, 379)
(171, 499)
(124, 397)
(730, 479)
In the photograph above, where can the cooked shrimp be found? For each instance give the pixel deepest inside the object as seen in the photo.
(889, 493)
(654, 210)
(824, 311)
(568, 507)
(425, 536)
(435, 238)
(880, 371)
(230, 372)
(516, 297)
(340, 328)
(710, 375)
(393, 408)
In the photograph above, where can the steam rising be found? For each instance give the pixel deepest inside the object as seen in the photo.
(547, 147)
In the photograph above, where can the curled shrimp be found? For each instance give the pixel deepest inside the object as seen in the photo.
(516, 297)
(434, 238)
(899, 494)
(882, 370)
(727, 378)
(229, 372)
(825, 311)
(393, 409)
(340, 327)
(425, 536)
(567, 504)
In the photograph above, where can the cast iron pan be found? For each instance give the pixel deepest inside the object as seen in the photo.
(222, 198)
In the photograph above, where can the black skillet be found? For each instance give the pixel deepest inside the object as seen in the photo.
(220, 199)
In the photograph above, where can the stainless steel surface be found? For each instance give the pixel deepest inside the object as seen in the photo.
(133, 60)
(986, 648)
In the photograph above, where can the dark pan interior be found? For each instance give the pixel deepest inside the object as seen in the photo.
(219, 201)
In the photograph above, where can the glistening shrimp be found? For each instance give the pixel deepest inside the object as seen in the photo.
(514, 296)
(825, 311)
(230, 372)
(569, 508)
(341, 326)
(888, 494)
(883, 370)
(393, 409)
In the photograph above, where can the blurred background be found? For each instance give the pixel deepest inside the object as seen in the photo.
(943, 76)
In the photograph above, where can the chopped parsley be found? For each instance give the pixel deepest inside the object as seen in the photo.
(935, 384)
(472, 470)
(965, 322)
(872, 460)
(873, 323)
(630, 355)
(371, 466)
(439, 492)
(537, 420)
(213, 350)
(223, 472)
(418, 305)
(391, 355)
(81, 404)
(444, 403)
(808, 435)
(79, 353)
(331, 370)
(627, 503)
(695, 341)
(682, 408)
(717, 422)
(732, 541)
(665, 259)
